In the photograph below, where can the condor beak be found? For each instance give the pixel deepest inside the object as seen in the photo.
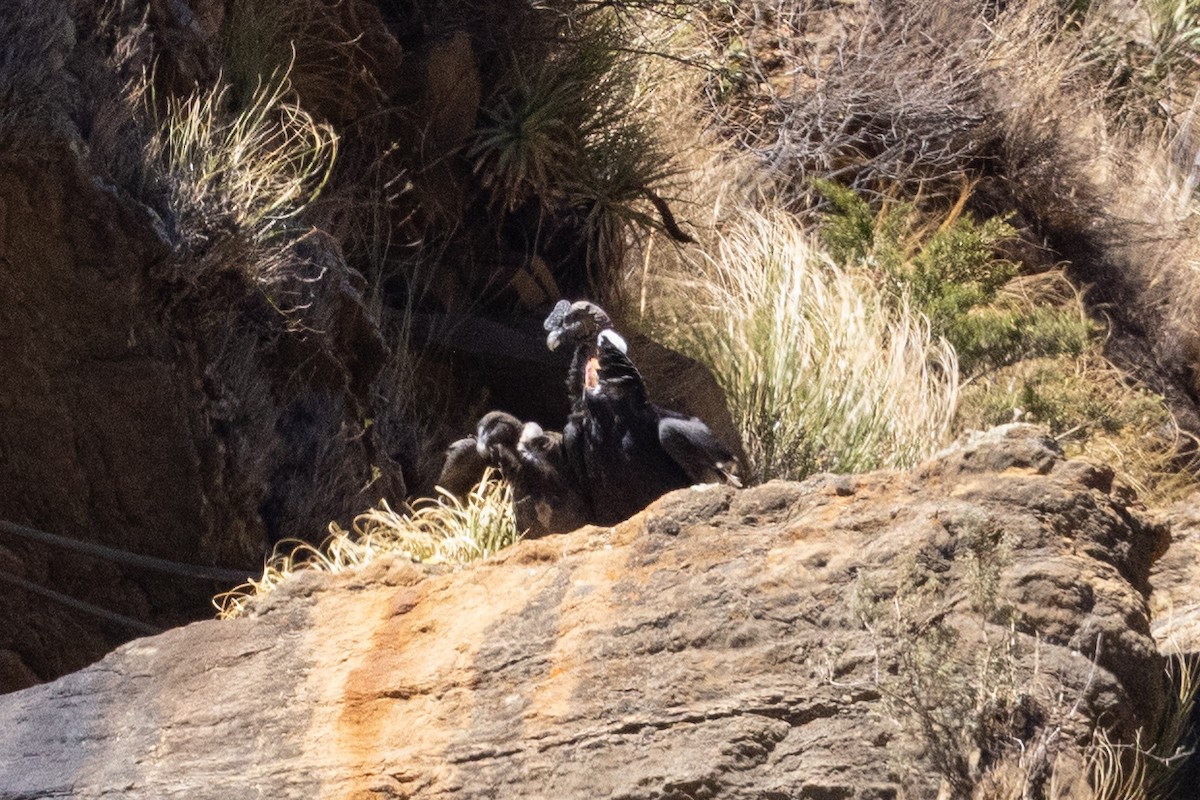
(554, 339)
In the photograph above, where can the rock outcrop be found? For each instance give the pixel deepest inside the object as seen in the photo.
(790, 640)
(1175, 607)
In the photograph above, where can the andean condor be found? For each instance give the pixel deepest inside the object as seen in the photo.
(624, 451)
(545, 499)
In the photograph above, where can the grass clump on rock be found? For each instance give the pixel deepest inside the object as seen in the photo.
(250, 170)
(442, 530)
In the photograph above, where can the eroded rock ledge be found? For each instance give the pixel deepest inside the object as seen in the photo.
(721, 644)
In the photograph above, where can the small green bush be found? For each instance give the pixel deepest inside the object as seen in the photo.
(946, 271)
(951, 273)
(1071, 400)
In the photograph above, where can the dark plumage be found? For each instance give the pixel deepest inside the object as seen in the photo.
(554, 498)
(625, 451)
(496, 438)
(463, 467)
(545, 499)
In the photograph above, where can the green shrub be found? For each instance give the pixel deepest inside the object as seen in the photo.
(1004, 333)
(951, 273)
(946, 271)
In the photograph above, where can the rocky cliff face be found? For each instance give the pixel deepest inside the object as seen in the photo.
(968, 623)
(147, 401)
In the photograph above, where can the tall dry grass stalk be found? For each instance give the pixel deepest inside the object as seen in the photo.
(442, 530)
(822, 371)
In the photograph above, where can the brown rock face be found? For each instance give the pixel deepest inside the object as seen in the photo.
(144, 404)
(721, 644)
(97, 426)
(1175, 601)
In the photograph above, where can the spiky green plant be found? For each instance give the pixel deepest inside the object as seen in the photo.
(567, 130)
(821, 369)
(436, 530)
(1146, 54)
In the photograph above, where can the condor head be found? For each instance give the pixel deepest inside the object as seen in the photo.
(574, 323)
(497, 436)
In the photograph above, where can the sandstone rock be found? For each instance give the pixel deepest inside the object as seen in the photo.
(723, 643)
(1175, 601)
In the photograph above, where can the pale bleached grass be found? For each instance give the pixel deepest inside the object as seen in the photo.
(441, 530)
(1149, 769)
(255, 167)
(822, 370)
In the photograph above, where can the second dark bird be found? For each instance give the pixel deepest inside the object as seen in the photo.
(545, 497)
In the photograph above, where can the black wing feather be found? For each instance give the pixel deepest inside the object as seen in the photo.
(689, 442)
(694, 446)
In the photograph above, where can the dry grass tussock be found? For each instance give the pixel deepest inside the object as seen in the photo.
(1048, 766)
(1148, 770)
(442, 530)
(822, 371)
(1155, 237)
(248, 171)
(318, 43)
